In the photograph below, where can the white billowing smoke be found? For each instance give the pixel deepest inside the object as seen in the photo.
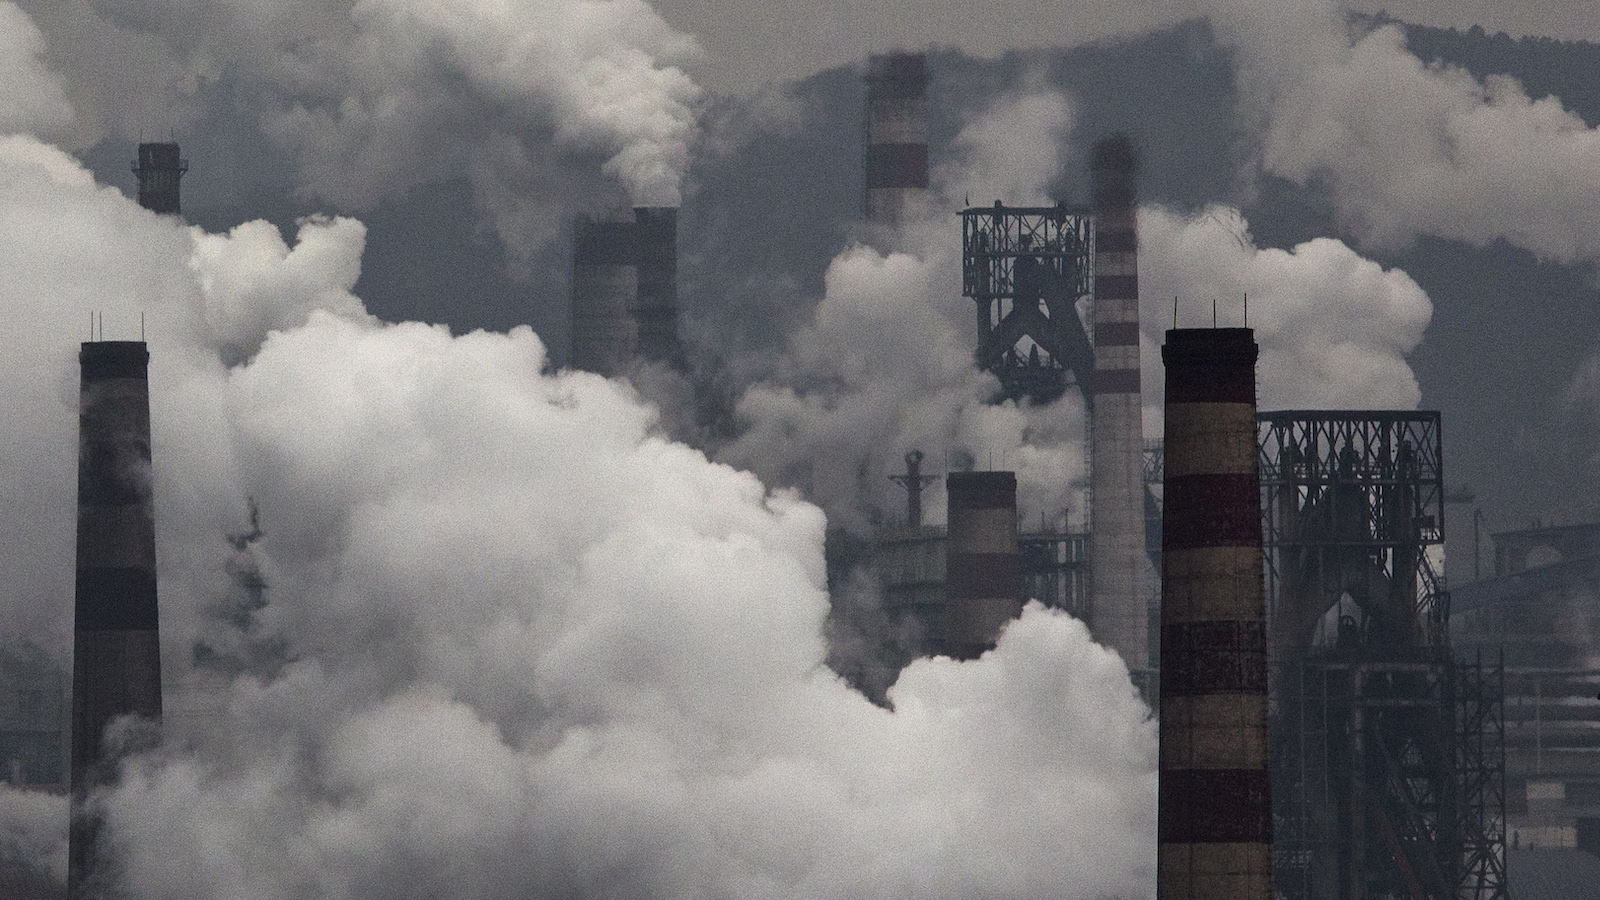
(1334, 328)
(1407, 148)
(530, 647)
(1012, 150)
(33, 100)
(885, 365)
(373, 97)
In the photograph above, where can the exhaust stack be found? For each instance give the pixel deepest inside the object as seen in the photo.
(1119, 607)
(160, 168)
(983, 575)
(116, 658)
(1215, 810)
(625, 292)
(897, 136)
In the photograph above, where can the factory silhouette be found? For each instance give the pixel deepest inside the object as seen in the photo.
(1335, 722)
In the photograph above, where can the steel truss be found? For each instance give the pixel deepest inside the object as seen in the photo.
(1026, 268)
(1388, 754)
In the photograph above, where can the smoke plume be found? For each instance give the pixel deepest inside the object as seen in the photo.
(531, 647)
(369, 98)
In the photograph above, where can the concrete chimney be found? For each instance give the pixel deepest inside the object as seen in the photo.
(656, 306)
(1119, 606)
(116, 660)
(983, 576)
(897, 136)
(605, 286)
(159, 169)
(1215, 831)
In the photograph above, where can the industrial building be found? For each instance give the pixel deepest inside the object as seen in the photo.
(1538, 608)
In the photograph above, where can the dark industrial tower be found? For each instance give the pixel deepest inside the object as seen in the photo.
(625, 292)
(1026, 268)
(1215, 831)
(983, 576)
(897, 136)
(1388, 759)
(159, 169)
(1119, 608)
(116, 660)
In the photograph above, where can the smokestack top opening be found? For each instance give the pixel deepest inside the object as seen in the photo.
(114, 359)
(1188, 346)
(981, 490)
(161, 156)
(899, 72)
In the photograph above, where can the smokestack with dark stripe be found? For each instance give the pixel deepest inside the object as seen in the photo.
(116, 662)
(983, 578)
(656, 307)
(897, 136)
(1215, 803)
(605, 286)
(159, 169)
(1119, 606)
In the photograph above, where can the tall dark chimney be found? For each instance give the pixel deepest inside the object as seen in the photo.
(160, 168)
(1118, 605)
(983, 574)
(605, 287)
(116, 658)
(656, 308)
(1215, 815)
(897, 136)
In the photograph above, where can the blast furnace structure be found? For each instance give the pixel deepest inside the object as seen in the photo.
(1388, 757)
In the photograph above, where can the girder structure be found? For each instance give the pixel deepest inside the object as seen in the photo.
(1387, 760)
(1026, 268)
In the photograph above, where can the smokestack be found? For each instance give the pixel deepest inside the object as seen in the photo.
(625, 292)
(116, 659)
(605, 286)
(1119, 607)
(159, 169)
(983, 576)
(656, 308)
(897, 136)
(1215, 802)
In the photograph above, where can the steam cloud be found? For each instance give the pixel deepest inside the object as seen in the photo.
(375, 97)
(530, 647)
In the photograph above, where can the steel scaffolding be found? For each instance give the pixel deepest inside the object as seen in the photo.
(1388, 754)
(1026, 268)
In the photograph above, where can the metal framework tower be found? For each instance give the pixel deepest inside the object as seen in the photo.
(1026, 268)
(160, 168)
(1388, 760)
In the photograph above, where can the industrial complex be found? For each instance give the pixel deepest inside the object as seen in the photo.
(1336, 721)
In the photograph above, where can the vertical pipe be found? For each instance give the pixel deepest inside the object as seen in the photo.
(914, 489)
(897, 136)
(656, 309)
(159, 169)
(605, 287)
(116, 665)
(1119, 606)
(1215, 806)
(983, 577)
